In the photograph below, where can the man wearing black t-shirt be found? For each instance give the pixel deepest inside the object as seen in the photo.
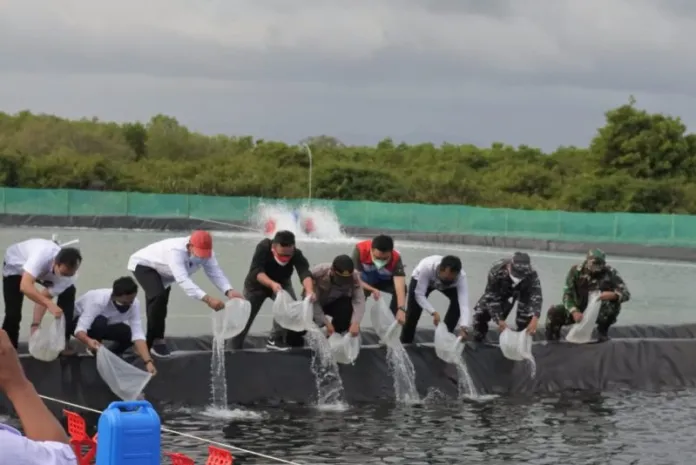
(271, 269)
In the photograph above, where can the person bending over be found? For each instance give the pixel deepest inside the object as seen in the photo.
(446, 275)
(382, 270)
(270, 271)
(38, 261)
(340, 299)
(510, 280)
(591, 275)
(112, 315)
(45, 441)
(159, 265)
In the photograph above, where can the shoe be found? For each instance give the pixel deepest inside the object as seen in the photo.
(160, 349)
(273, 344)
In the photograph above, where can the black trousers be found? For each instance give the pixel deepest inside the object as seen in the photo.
(101, 330)
(14, 299)
(341, 313)
(388, 287)
(414, 311)
(256, 298)
(156, 301)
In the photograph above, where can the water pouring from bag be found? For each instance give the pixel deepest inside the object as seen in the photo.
(517, 345)
(230, 321)
(345, 348)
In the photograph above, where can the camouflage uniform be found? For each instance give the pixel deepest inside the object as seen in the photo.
(591, 275)
(502, 292)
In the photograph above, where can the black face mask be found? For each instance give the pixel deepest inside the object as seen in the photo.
(447, 282)
(122, 308)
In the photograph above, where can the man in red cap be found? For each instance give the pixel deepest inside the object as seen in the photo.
(159, 265)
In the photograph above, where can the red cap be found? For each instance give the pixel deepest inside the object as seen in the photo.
(202, 243)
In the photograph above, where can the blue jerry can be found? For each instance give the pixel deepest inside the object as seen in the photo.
(129, 434)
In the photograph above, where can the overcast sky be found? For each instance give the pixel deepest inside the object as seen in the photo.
(536, 72)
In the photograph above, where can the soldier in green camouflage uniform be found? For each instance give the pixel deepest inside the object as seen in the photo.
(592, 275)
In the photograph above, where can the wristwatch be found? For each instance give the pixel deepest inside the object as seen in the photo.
(401, 307)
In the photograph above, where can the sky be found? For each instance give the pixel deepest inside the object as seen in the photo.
(534, 72)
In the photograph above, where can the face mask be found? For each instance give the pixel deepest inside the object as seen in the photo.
(379, 263)
(446, 282)
(122, 308)
(281, 260)
(195, 261)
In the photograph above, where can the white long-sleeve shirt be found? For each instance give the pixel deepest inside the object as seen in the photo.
(98, 302)
(426, 273)
(172, 261)
(35, 256)
(16, 449)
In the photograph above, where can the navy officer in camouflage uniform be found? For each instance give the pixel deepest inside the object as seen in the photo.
(510, 280)
(591, 275)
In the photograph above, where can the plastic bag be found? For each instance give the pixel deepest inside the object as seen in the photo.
(384, 323)
(516, 345)
(345, 348)
(293, 315)
(581, 333)
(48, 341)
(231, 320)
(124, 379)
(447, 346)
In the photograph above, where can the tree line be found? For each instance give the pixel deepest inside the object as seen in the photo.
(638, 162)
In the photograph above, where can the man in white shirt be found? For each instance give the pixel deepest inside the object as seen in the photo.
(112, 315)
(45, 441)
(38, 261)
(446, 275)
(159, 265)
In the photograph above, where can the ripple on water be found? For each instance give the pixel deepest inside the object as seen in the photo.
(617, 428)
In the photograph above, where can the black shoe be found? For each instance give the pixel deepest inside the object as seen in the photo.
(601, 337)
(274, 344)
(553, 336)
(160, 349)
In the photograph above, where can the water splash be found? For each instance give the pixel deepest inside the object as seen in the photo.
(403, 373)
(325, 225)
(218, 377)
(330, 394)
(466, 386)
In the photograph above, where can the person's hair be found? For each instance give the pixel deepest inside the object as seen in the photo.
(284, 238)
(451, 262)
(343, 263)
(124, 285)
(70, 257)
(383, 243)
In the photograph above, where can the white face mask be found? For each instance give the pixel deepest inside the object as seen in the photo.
(195, 261)
(279, 262)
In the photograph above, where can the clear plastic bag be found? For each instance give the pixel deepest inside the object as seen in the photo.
(447, 346)
(384, 323)
(48, 341)
(293, 315)
(517, 345)
(345, 348)
(124, 379)
(231, 320)
(581, 333)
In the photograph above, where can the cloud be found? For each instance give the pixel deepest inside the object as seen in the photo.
(441, 58)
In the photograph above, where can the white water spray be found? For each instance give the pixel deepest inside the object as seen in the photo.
(218, 377)
(403, 373)
(330, 392)
(306, 221)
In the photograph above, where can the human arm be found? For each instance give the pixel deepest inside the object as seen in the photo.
(212, 269)
(359, 268)
(176, 260)
(138, 336)
(258, 266)
(301, 265)
(463, 300)
(38, 422)
(88, 309)
(534, 300)
(620, 287)
(570, 300)
(400, 284)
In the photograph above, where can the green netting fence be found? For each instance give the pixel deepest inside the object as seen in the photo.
(649, 229)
